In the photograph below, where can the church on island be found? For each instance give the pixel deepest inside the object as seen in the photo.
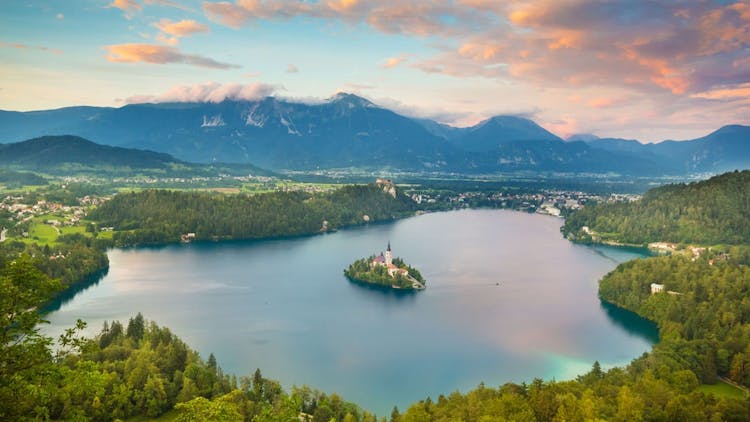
(386, 260)
(384, 270)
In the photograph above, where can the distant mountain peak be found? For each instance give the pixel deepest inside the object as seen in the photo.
(503, 119)
(496, 130)
(347, 98)
(731, 129)
(582, 137)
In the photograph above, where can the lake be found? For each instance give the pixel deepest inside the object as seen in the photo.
(507, 299)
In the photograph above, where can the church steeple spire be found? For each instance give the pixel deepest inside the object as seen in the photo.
(389, 246)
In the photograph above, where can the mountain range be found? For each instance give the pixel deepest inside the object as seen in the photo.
(348, 131)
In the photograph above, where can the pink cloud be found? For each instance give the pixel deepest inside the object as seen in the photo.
(677, 47)
(600, 102)
(158, 54)
(404, 17)
(213, 92)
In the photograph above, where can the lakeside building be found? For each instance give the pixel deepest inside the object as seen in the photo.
(656, 288)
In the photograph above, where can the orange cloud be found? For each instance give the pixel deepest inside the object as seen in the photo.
(226, 13)
(394, 61)
(182, 28)
(480, 51)
(566, 39)
(343, 5)
(741, 91)
(158, 54)
(130, 7)
(165, 39)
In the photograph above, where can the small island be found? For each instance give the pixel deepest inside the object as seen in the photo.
(386, 271)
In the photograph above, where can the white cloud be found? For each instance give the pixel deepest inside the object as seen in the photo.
(212, 92)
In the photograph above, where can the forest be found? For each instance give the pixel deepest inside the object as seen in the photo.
(714, 211)
(73, 259)
(161, 216)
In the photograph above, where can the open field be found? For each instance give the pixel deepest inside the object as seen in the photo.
(722, 389)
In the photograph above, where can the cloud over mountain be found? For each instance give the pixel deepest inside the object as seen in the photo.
(212, 92)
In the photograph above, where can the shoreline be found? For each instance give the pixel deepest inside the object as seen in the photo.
(384, 290)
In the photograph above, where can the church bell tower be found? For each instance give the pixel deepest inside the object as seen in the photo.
(388, 255)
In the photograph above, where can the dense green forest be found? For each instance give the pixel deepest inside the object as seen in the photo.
(160, 216)
(361, 270)
(713, 211)
(74, 259)
(704, 315)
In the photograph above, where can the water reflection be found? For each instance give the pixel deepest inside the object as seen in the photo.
(71, 292)
(387, 293)
(631, 322)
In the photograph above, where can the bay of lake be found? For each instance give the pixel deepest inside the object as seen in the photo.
(507, 299)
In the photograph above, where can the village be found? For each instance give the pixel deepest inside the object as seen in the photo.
(26, 216)
(557, 203)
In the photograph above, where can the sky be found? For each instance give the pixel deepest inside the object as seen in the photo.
(646, 70)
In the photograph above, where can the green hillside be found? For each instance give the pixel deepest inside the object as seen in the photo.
(713, 211)
(160, 216)
(70, 155)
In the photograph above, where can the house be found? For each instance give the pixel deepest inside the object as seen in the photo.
(656, 288)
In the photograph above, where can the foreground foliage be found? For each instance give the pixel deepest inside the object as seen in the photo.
(138, 369)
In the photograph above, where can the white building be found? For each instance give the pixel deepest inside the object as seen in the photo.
(656, 288)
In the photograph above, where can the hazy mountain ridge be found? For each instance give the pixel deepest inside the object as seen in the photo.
(70, 154)
(350, 131)
(725, 149)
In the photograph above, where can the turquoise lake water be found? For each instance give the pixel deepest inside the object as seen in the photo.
(507, 299)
